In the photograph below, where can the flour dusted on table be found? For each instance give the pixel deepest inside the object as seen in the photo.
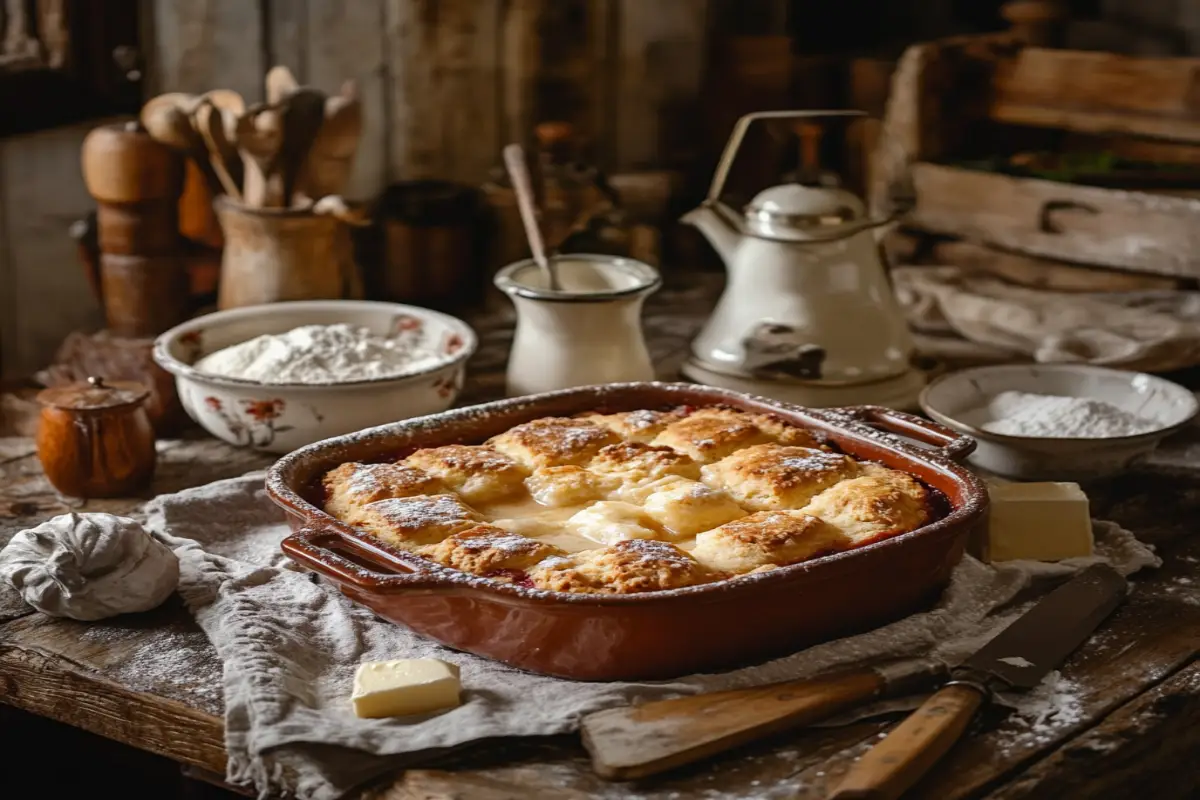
(319, 354)
(1052, 416)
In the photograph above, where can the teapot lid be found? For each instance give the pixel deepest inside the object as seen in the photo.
(795, 212)
(96, 394)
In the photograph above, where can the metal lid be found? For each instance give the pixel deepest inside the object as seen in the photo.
(95, 394)
(796, 212)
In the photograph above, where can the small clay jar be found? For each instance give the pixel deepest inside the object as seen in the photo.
(95, 438)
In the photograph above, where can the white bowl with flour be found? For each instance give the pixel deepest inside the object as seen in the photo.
(1067, 422)
(280, 376)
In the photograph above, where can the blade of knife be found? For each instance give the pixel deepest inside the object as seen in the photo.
(1023, 654)
(1020, 655)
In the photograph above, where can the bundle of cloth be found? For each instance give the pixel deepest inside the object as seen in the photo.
(967, 315)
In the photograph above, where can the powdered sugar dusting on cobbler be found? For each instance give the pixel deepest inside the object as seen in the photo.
(513, 430)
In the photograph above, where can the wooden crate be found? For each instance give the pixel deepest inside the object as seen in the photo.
(972, 97)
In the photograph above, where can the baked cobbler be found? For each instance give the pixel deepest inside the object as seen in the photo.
(629, 502)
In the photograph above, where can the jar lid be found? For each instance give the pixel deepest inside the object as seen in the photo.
(95, 394)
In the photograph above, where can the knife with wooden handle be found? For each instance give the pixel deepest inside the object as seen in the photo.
(1018, 658)
(642, 740)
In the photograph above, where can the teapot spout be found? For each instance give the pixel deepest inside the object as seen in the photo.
(715, 222)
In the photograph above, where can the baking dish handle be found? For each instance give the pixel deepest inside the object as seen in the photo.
(305, 548)
(949, 442)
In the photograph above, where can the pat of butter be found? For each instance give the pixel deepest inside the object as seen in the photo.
(408, 686)
(1038, 521)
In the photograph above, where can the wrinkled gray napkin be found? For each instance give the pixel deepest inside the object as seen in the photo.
(290, 643)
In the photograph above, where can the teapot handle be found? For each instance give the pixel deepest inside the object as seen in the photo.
(739, 133)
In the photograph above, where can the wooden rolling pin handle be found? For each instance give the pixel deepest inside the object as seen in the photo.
(893, 766)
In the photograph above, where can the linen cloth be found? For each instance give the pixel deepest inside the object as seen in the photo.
(1147, 331)
(289, 643)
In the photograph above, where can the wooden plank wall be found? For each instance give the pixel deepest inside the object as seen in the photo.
(43, 292)
(448, 82)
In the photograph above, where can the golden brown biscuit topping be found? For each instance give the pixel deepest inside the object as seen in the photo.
(554, 441)
(408, 522)
(629, 502)
(351, 486)
(771, 476)
(484, 549)
(479, 474)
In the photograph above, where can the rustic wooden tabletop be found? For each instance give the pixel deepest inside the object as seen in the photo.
(1130, 726)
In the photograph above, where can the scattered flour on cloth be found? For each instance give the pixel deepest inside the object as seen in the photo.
(290, 642)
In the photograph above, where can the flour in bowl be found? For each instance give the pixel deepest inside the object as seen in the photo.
(320, 354)
(1053, 416)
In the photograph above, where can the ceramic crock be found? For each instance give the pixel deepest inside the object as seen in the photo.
(589, 332)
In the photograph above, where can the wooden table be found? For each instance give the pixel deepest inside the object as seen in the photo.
(151, 680)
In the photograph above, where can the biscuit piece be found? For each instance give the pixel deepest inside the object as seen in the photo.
(880, 504)
(771, 477)
(710, 434)
(686, 508)
(567, 486)
(637, 463)
(554, 442)
(785, 432)
(611, 521)
(409, 522)
(351, 486)
(484, 549)
(479, 474)
(767, 538)
(637, 565)
(636, 426)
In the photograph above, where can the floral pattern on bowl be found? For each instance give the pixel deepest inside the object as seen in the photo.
(279, 418)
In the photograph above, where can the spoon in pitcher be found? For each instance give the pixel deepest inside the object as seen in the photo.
(518, 172)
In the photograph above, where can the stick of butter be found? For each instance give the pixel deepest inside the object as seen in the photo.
(1038, 521)
(407, 686)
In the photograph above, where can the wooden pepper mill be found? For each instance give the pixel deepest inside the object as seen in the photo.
(95, 438)
(136, 183)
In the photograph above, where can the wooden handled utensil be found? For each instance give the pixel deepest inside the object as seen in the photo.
(518, 172)
(1019, 657)
(259, 138)
(280, 83)
(222, 154)
(303, 115)
(327, 169)
(643, 740)
(168, 119)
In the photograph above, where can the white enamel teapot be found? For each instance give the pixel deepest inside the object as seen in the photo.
(808, 313)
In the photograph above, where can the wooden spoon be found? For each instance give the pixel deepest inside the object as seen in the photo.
(222, 154)
(327, 169)
(166, 121)
(303, 115)
(225, 99)
(259, 136)
(518, 171)
(280, 83)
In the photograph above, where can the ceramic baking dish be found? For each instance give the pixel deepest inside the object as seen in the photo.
(654, 635)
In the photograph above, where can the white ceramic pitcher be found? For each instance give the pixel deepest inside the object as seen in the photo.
(588, 333)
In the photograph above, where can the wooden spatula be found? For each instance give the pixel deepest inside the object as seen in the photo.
(643, 740)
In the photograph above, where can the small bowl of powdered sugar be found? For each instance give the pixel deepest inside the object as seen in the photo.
(1064, 422)
(277, 377)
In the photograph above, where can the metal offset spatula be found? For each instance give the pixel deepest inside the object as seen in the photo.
(1018, 658)
(650, 738)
